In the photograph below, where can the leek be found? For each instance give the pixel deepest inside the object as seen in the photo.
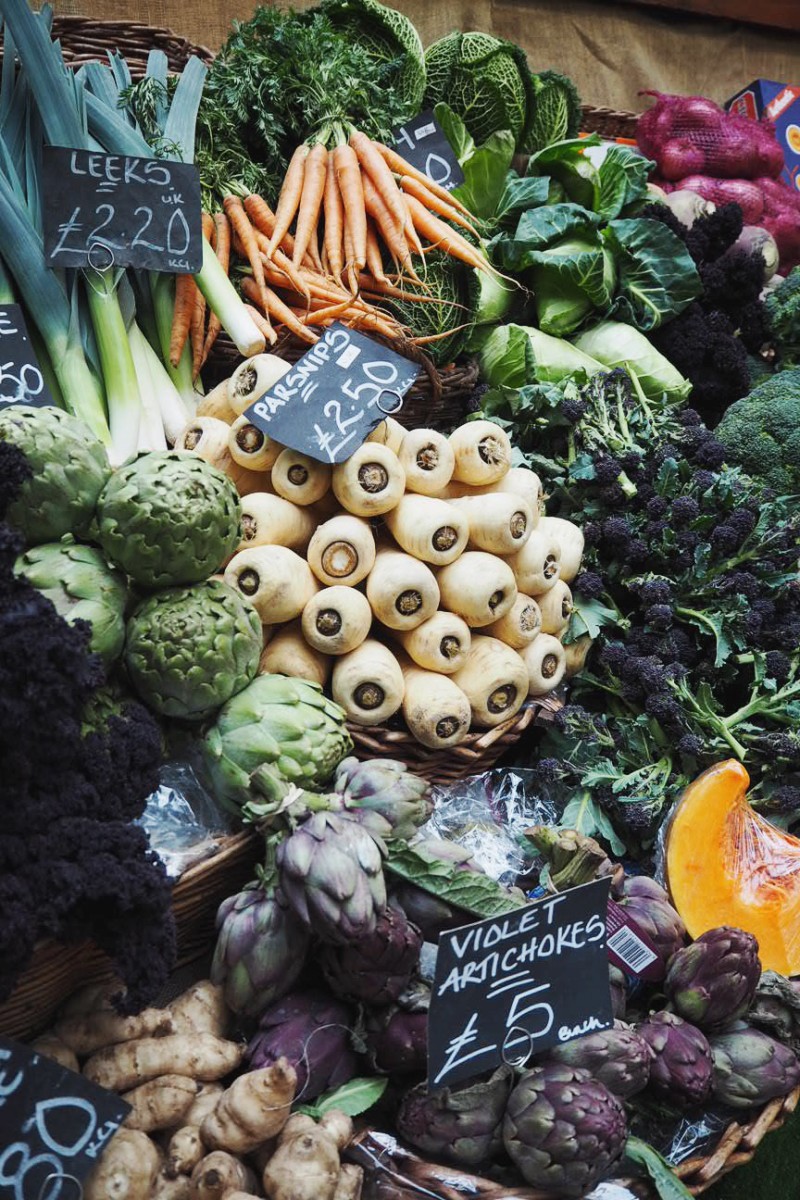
(175, 416)
(116, 361)
(151, 427)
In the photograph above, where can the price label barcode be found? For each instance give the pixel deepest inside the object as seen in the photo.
(631, 949)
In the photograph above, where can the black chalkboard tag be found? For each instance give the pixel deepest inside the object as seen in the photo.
(335, 395)
(107, 210)
(422, 143)
(21, 379)
(512, 986)
(55, 1125)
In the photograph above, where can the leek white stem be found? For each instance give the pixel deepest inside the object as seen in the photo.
(222, 299)
(122, 388)
(175, 414)
(151, 426)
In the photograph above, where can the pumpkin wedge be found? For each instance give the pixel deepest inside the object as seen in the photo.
(727, 865)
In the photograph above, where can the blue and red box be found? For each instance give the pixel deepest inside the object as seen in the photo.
(780, 103)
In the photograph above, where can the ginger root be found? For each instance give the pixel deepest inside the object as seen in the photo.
(253, 1109)
(160, 1103)
(118, 1068)
(50, 1045)
(166, 1188)
(88, 1022)
(201, 1009)
(127, 1170)
(306, 1165)
(219, 1173)
(339, 1126)
(184, 1151)
(205, 1102)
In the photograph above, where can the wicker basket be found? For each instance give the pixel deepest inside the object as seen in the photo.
(609, 122)
(56, 969)
(85, 39)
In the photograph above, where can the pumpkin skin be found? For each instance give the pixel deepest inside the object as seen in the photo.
(727, 865)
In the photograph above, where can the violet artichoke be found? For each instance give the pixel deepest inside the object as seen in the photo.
(376, 969)
(618, 1058)
(751, 1068)
(619, 992)
(681, 1069)
(397, 1041)
(385, 789)
(260, 951)
(712, 982)
(563, 1129)
(331, 871)
(649, 906)
(459, 1125)
(312, 1031)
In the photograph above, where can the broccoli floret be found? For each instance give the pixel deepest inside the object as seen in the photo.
(761, 432)
(782, 308)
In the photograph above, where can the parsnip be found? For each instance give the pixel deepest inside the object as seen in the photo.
(208, 438)
(546, 664)
(439, 644)
(216, 404)
(370, 482)
(518, 481)
(571, 541)
(430, 529)
(88, 1021)
(537, 566)
(299, 478)
(250, 447)
(435, 709)
(494, 680)
(389, 433)
(336, 620)
(342, 551)
(520, 625)
(184, 1151)
(401, 590)
(276, 581)
(160, 1103)
(482, 452)
(556, 608)
(368, 683)
(218, 1174)
(576, 653)
(252, 378)
(201, 1009)
(50, 1045)
(246, 482)
(200, 1057)
(428, 461)
(478, 587)
(167, 1187)
(269, 520)
(127, 1169)
(499, 523)
(253, 1109)
(288, 653)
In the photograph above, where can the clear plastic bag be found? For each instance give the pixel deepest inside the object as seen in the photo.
(183, 821)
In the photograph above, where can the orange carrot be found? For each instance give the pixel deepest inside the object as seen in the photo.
(351, 187)
(391, 233)
(279, 261)
(197, 325)
(289, 198)
(331, 312)
(305, 236)
(240, 223)
(222, 249)
(375, 166)
(185, 288)
(444, 238)
(350, 260)
(262, 324)
(401, 167)
(374, 259)
(414, 188)
(277, 309)
(334, 222)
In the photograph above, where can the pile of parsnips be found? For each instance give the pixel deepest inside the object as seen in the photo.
(418, 576)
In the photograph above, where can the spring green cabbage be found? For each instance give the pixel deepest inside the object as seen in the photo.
(614, 344)
(515, 355)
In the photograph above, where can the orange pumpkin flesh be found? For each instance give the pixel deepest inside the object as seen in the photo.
(727, 865)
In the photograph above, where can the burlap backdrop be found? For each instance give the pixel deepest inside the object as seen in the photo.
(610, 51)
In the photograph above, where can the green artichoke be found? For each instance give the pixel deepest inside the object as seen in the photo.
(563, 1129)
(189, 649)
(459, 1125)
(617, 1057)
(260, 951)
(712, 982)
(751, 1068)
(168, 518)
(82, 586)
(70, 467)
(384, 795)
(331, 872)
(277, 722)
(776, 1008)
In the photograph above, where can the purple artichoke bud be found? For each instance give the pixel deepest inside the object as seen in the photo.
(649, 905)
(682, 1068)
(332, 875)
(563, 1129)
(376, 969)
(459, 1125)
(397, 1041)
(619, 992)
(712, 982)
(386, 787)
(618, 1058)
(751, 1068)
(260, 951)
(312, 1031)
(430, 914)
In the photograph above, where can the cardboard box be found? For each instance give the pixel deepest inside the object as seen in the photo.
(780, 103)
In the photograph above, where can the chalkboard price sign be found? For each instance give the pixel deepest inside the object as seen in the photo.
(21, 379)
(55, 1125)
(423, 144)
(335, 395)
(510, 987)
(106, 210)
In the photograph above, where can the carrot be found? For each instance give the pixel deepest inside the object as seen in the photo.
(277, 309)
(374, 165)
(444, 238)
(374, 259)
(351, 187)
(414, 188)
(185, 288)
(374, 289)
(401, 167)
(240, 223)
(331, 312)
(350, 260)
(289, 198)
(222, 249)
(262, 324)
(305, 236)
(391, 233)
(278, 261)
(198, 320)
(334, 222)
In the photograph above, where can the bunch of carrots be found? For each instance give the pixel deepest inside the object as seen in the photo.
(353, 208)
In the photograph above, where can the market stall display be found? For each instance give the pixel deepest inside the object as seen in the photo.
(575, 544)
